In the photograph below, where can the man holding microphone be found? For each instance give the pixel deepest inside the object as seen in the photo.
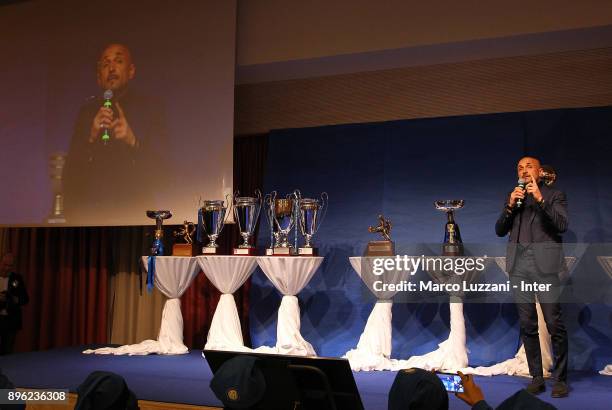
(535, 216)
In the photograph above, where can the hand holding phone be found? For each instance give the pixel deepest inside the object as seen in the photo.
(472, 393)
(452, 382)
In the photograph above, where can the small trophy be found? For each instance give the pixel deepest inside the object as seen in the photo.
(268, 203)
(56, 171)
(211, 219)
(185, 235)
(548, 174)
(246, 212)
(284, 221)
(311, 214)
(157, 248)
(453, 245)
(384, 247)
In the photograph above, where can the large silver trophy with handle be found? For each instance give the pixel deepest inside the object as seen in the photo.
(453, 245)
(284, 218)
(246, 212)
(211, 219)
(311, 214)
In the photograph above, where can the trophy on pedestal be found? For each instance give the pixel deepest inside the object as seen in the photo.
(311, 214)
(157, 247)
(384, 247)
(185, 234)
(56, 170)
(246, 212)
(453, 245)
(211, 219)
(268, 203)
(284, 218)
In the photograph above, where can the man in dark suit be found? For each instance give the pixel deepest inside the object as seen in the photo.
(13, 295)
(535, 217)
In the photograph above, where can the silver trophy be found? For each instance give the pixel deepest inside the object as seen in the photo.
(246, 212)
(284, 217)
(268, 203)
(453, 245)
(311, 214)
(157, 248)
(212, 219)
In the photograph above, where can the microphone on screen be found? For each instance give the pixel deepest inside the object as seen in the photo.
(108, 96)
(521, 184)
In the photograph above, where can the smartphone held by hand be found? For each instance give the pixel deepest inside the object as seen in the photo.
(452, 382)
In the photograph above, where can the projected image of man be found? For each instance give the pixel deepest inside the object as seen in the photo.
(115, 153)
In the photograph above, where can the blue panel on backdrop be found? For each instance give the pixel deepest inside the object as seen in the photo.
(399, 168)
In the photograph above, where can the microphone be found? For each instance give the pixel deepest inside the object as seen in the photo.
(521, 184)
(108, 96)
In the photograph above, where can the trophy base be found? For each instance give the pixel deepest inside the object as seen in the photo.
(210, 251)
(284, 252)
(308, 251)
(182, 249)
(245, 251)
(452, 249)
(380, 248)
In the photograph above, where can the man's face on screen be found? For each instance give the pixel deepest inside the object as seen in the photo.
(115, 68)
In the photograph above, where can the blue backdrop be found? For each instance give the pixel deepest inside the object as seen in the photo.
(399, 168)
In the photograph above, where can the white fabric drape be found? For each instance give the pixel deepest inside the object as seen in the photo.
(607, 371)
(518, 364)
(289, 275)
(452, 354)
(173, 275)
(373, 351)
(227, 274)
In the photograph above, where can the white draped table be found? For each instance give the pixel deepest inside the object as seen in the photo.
(606, 263)
(518, 364)
(373, 351)
(227, 274)
(289, 275)
(173, 275)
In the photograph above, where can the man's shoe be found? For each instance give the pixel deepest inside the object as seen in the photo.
(536, 386)
(559, 389)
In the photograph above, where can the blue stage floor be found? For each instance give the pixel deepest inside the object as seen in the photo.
(185, 379)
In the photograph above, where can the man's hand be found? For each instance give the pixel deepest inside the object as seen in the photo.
(472, 393)
(515, 195)
(103, 119)
(533, 188)
(121, 128)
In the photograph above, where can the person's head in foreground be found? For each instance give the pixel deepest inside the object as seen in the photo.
(415, 389)
(105, 391)
(239, 383)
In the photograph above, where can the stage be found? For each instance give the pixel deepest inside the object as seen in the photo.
(185, 378)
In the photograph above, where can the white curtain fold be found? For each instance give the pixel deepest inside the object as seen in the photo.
(452, 354)
(173, 275)
(227, 274)
(373, 351)
(517, 366)
(607, 371)
(289, 275)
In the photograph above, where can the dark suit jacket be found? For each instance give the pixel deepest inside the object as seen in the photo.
(549, 221)
(16, 297)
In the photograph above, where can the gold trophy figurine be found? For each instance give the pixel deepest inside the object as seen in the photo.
(185, 235)
(384, 247)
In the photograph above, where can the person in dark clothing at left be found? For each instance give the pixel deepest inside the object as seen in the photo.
(13, 295)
